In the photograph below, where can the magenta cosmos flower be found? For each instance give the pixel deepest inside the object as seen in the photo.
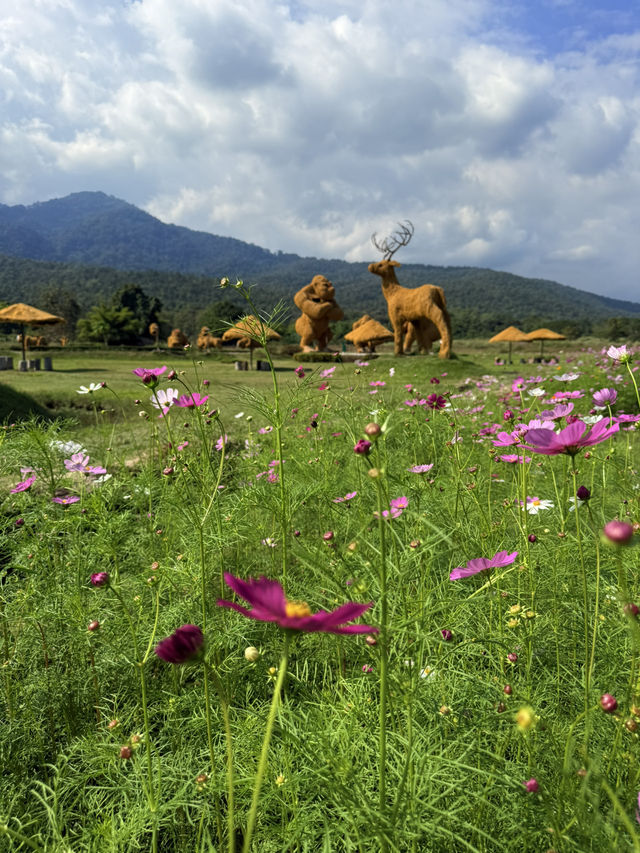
(66, 500)
(571, 439)
(605, 397)
(479, 564)
(268, 603)
(182, 646)
(436, 401)
(24, 485)
(189, 401)
(150, 375)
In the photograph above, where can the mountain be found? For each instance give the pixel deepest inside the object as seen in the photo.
(93, 243)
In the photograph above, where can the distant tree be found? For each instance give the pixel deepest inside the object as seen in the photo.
(60, 301)
(145, 309)
(109, 325)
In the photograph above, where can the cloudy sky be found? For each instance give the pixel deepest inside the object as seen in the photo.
(508, 131)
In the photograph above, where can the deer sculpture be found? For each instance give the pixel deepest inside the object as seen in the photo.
(418, 309)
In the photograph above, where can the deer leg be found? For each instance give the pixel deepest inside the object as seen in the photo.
(440, 317)
(397, 338)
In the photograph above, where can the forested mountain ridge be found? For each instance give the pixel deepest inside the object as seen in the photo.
(92, 245)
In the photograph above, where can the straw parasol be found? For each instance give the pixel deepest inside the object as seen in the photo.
(27, 315)
(248, 332)
(368, 332)
(543, 335)
(510, 335)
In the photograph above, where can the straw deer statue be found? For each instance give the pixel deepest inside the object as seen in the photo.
(421, 307)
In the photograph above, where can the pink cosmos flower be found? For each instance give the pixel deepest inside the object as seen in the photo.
(299, 372)
(323, 387)
(324, 374)
(605, 397)
(571, 439)
(421, 469)
(189, 401)
(506, 439)
(269, 604)
(24, 485)
(512, 458)
(150, 375)
(78, 462)
(396, 507)
(349, 496)
(181, 646)
(66, 500)
(620, 354)
(479, 564)
(559, 411)
(220, 443)
(378, 383)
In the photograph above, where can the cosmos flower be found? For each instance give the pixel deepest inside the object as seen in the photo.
(480, 564)
(269, 604)
(325, 374)
(420, 469)
(24, 485)
(513, 458)
(164, 398)
(183, 645)
(349, 496)
(149, 375)
(571, 439)
(534, 505)
(190, 401)
(66, 500)
(605, 397)
(620, 354)
(93, 386)
(436, 401)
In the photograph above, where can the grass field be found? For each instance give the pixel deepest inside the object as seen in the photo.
(495, 711)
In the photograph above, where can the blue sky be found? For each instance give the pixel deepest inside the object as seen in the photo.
(508, 132)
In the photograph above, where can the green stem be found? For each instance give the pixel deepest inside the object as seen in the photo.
(384, 660)
(262, 764)
(635, 384)
(585, 596)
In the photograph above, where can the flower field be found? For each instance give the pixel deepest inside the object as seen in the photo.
(383, 606)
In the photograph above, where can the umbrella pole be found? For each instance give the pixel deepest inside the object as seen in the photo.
(24, 344)
(541, 348)
(510, 345)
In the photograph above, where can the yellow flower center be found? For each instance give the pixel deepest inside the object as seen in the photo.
(297, 609)
(536, 503)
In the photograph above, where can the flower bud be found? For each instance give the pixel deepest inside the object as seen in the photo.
(370, 640)
(100, 579)
(631, 609)
(618, 532)
(19, 522)
(126, 752)
(251, 654)
(507, 689)
(532, 537)
(93, 625)
(362, 447)
(608, 703)
(583, 493)
(373, 430)
(446, 635)
(532, 786)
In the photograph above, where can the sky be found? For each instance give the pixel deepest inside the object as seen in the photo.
(507, 131)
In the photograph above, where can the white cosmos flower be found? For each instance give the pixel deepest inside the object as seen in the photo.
(164, 397)
(239, 415)
(67, 447)
(568, 377)
(536, 392)
(534, 505)
(93, 386)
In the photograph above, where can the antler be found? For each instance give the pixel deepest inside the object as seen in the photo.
(390, 245)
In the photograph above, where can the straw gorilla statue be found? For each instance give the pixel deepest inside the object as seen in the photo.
(318, 305)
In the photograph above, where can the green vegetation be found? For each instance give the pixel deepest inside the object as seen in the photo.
(499, 712)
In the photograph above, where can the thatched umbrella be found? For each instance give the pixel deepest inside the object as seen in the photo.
(27, 315)
(368, 332)
(248, 333)
(543, 335)
(510, 335)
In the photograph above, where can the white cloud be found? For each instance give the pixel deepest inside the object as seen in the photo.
(305, 126)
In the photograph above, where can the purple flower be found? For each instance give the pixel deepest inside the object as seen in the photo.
(269, 604)
(326, 373)
(362, 446)
(189, 401)
(100, 579)
(24, 485)
(182, 646)
(605, 397)
(571, 439)
(349, 496)
(479, 564)
(532, 786)
(446, 635)
(150, 376)
(514, 458)
(66, 500)
(420, 469)
(583, 493)
(435, 401)
(299, 372)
